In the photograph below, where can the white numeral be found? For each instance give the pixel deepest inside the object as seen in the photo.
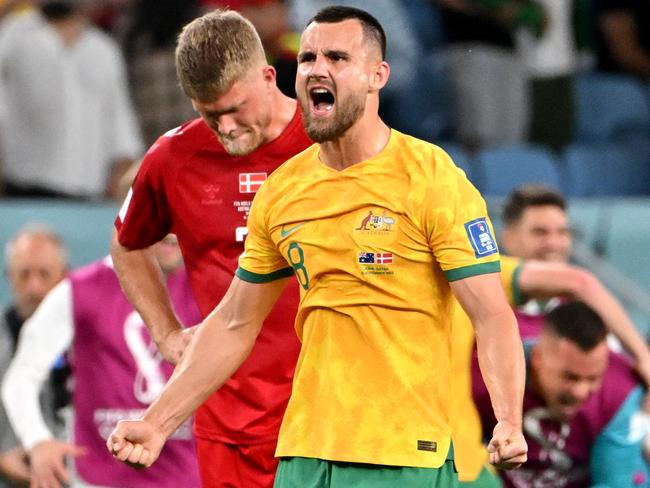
(241, 233)
(149, 380)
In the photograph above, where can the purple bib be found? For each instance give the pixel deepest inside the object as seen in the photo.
(117, 374)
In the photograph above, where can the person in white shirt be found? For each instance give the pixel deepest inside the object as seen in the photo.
(67, 127)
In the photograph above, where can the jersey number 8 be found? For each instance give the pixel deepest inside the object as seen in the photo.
(298, 265)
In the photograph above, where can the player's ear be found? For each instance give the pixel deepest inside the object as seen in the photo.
(269, 74)
(379, 76)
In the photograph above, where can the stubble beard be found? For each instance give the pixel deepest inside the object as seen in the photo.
(242, 145)
(346, 115)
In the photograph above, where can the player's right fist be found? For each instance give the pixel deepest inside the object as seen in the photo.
(135, 442)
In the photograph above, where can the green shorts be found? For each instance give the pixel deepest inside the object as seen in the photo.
(486, 479)
(298, 472)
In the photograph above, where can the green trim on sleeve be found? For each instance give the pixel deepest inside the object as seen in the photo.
(517, 295)
(472, 270)
(244, 275)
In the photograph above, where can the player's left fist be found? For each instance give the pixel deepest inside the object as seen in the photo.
(507, 448)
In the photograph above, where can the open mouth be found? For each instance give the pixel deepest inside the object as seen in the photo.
(322, 100)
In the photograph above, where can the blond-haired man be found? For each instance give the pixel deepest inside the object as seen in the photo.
(198, 181)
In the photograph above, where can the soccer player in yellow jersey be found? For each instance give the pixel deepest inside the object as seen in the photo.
(522, 281)
(382, 231)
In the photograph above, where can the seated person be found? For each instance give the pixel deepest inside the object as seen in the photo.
(580, 405)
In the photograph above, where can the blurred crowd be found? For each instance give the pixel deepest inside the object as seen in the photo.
(87, 85)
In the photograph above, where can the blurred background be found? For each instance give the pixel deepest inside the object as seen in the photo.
(516, 91)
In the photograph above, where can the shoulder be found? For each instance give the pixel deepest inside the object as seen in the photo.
(180, 143)
(619, 381)
(92, 272)
(436, 186)
(621, 376)
(19, 28)
(417, 149)
(431, 162)
(100, 42)
(296, 169)
(17, 21)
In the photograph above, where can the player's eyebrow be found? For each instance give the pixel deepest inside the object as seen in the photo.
(306, 56)
(334, 54)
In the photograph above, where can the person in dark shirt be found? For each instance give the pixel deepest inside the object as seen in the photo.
(622, 36)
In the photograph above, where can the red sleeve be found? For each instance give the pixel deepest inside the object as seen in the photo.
(144, 218)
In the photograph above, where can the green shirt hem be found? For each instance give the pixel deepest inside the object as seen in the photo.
(251, 277)
(472, 270)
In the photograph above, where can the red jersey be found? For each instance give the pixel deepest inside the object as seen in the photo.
(189, 185)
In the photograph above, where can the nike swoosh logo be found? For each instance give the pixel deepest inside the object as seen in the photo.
(285, 232)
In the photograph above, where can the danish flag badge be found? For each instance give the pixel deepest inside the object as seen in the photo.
(384, 258)
(251, 182)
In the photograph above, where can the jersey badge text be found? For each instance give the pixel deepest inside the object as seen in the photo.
(480, 237)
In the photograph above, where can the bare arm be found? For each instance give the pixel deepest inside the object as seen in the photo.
(220, 345)
(546, 279)
(622, 36)
(115, 175)
(14, 465)
(501, 359)
(143, 283)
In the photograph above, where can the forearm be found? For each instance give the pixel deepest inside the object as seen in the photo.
(144, 285)
(500, 352)
(502, 365)
(539, 280)
(45, 336)
(219, 346)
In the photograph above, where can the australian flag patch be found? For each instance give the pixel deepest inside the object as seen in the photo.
(367, 257)
(480, 237)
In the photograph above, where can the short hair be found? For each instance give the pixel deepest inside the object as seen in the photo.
(530, 196)
(35, 230)
(214, 51)
(578, 323)
(54, 11)
(372, 29)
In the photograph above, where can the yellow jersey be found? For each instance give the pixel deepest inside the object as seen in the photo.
(470, 453)
(373, 246)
